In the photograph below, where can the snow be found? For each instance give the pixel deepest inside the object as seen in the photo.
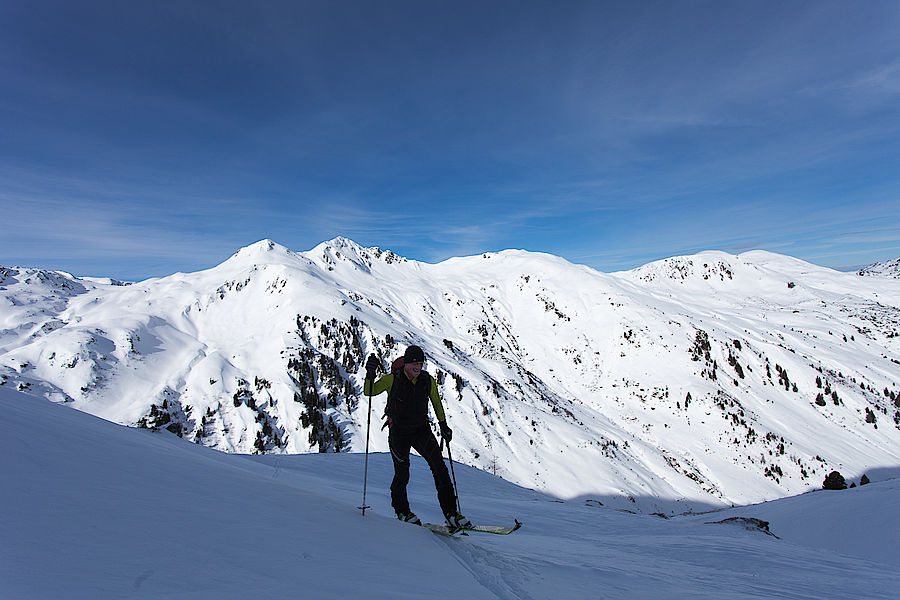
(95, 510)
(555, 376)
(890, 268)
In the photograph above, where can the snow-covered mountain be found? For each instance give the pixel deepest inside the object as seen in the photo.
(709, 379)
(95, 511)
(889, 268)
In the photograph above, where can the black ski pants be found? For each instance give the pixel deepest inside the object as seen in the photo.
(424, 442)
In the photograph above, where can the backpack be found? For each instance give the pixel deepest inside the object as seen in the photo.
(396, 371)
(397, 365)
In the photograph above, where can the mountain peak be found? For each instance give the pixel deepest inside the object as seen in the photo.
(888, 268)
(263, 251)
(261, 247)
(707, 266)
(341, 249)
(343, 242)
(347, 246)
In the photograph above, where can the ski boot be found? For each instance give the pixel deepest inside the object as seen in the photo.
(409, 518)
(458, 521)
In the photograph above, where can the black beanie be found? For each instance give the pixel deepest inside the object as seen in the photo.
(413, 354)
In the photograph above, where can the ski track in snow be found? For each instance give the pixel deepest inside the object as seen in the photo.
(499, 575)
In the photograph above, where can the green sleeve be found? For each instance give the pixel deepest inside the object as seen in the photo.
(436, 402)
(380, 386)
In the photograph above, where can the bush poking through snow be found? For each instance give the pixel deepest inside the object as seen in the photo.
(834, 481)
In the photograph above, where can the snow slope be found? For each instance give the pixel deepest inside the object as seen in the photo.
(691, 382)
(94, 510)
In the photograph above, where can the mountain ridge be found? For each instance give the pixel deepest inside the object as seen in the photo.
(677, 379)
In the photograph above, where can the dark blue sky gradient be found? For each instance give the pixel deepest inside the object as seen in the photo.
(142, 138)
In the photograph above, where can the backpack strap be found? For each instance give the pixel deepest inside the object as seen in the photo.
(396, 370)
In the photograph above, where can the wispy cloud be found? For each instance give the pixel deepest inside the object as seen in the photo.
(609, 134)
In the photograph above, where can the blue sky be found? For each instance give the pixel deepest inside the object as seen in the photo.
(142, 138)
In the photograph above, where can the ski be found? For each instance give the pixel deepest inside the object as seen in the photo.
(443, 529)
(451, 531)
(495, 529)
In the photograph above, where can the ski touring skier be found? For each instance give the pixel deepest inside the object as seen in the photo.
(410, 389)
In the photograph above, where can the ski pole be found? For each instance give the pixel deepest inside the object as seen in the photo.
(455, 489)
(366, 468)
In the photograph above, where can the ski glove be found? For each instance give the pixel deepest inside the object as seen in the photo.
(446, 432)
(371, 365)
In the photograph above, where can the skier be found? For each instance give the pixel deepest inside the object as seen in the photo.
(409, 390)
